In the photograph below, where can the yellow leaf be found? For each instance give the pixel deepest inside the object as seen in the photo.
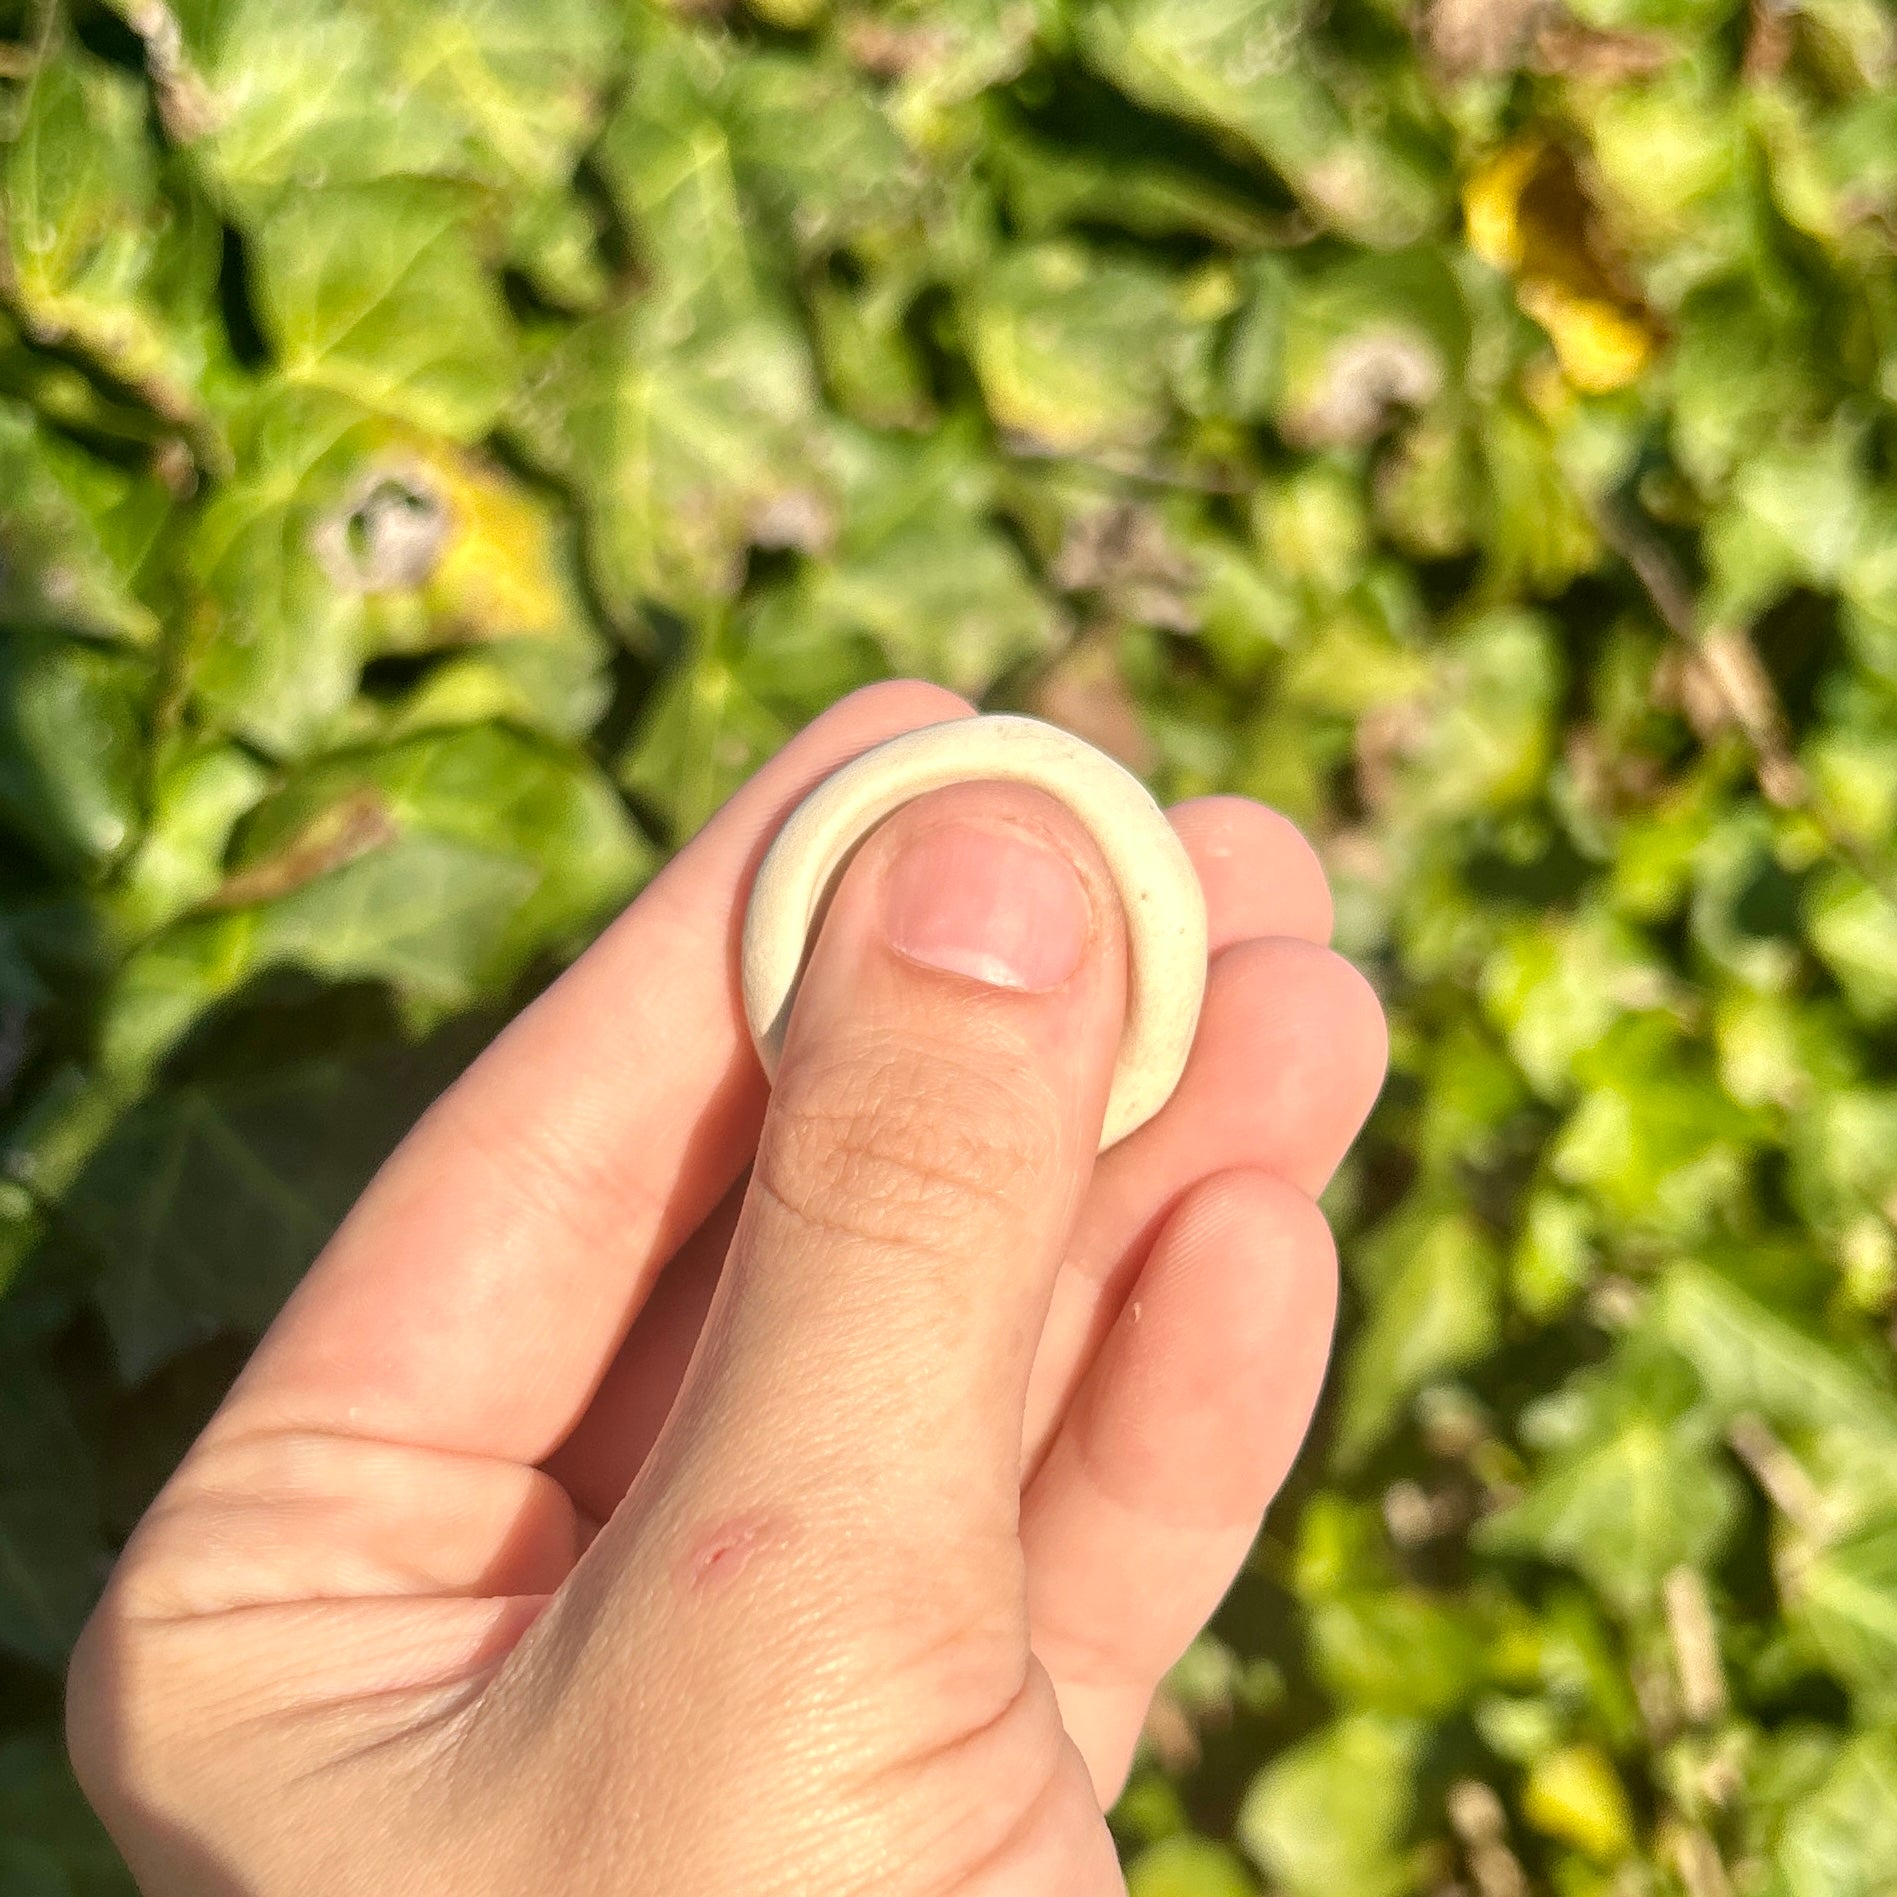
(499, 569)
(1525, 213)
(1575, 1795)
(1491, 203)
(1600, 347)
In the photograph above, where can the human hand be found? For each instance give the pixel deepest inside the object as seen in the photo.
(596, 1517)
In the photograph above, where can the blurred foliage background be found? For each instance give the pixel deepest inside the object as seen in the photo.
(446, 444)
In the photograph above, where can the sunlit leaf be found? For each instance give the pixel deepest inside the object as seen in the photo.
(1656, 1139)
(1557, 987)
(439, 866)
(1396, 1651)
(343, 534)
(1629, 1489)
(1073, 349)
(196, 801)
(1832, 1845)
(704, 734)
(1751, 1357)
(96, 257)
(1842, 1599)
(687, 446)
(304, 93)
(1241, 68)
(922, 574)
(1187, 1867)
(815, 153)
(1329, 1814)
(378, 292)
(1364, 340)
(1436, 1310)
(940, 53)
(1574, 1794)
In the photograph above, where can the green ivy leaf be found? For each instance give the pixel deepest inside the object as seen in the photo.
(1739, 373)
(1186, 1866)
(1833, 1841)
(1486, 741)
(1750, 1357)
(74, 533)
(295, 93)
(1073, 349)
(1396, 1651)
(816, 153)
(921, 576)
(944, 53)
(51, 1845)
(1435, 1306)
(94, 251)
(208, 1202)
(377, 291)
(1795, 515)
(1557, 986)
(703, 735)
(1050, 189)
(440, 866)
(1844, 1155)
(1854, 931)
(196, 801)
(52, 1560)
(1655, 1139)
(70, 719)
(1841, 1599)
(1630, 1488)
(277, 641)
(1329, 1814)
(1364, 339)
(666, 156)
(686, 448)
(1539, 535)
(1241, 68)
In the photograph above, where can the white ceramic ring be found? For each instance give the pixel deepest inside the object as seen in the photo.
(1158, 887)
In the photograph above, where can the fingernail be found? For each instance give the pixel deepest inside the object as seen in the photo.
(992, 904)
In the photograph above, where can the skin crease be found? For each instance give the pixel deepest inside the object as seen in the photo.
(607, 1512)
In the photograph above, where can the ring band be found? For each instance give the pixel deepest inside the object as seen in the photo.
(1158, 887)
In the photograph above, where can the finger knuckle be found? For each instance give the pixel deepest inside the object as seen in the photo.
(896, 1147)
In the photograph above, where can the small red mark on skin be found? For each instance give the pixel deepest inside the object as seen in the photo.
(719, 1556)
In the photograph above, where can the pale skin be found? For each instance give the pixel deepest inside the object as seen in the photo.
(606, 1513)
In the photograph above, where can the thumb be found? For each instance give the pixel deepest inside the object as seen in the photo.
(931, 1131)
